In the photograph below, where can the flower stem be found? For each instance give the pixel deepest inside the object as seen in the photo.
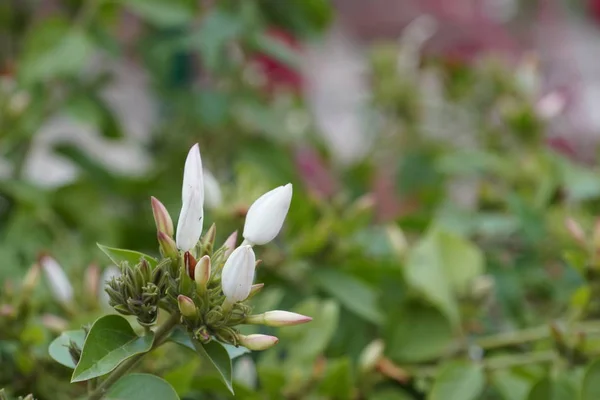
(160, 335)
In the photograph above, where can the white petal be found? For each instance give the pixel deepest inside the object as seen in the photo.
(192, 174)
(267, 214)
(212, 192)
(238, 273)
(189, 225)
(57, 279)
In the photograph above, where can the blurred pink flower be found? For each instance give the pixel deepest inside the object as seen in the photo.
(315, 174)
(466, 28)
(277, 73)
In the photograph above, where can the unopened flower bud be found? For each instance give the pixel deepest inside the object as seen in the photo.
(213, 198)
(30, 280)
(187, 308)
(257, 341)
(238, 274)
(202, 274)
(371, 355)
(575, 230)
(92, 279)
(255, 289)
(266, 215)
(244, 371)
(57, 279)
(278, 318)
(230, 244)
(208, 240)
(163, 220)
(190, 263)
(189, 225)
(54, 323)
(397, 240)
(167, 245)
(109, 273)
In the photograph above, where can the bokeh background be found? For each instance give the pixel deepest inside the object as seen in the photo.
(443, 154)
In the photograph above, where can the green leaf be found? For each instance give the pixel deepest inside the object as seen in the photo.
(511, 386)
(215, 354)
(110, 342)
(141, 387)
(304, 343)
(416, 333)
(92, 109)
(164, 13)
(216, 30)
(277, 50)
(53, 49)
(590, 388)
(390, 394)
(442, 266)
(235, 352)
(353, 294)
(132, 257)
(59, 348)
(548, 389)
(458, 380)
(181, 377)
(337, 382)
(182, 338)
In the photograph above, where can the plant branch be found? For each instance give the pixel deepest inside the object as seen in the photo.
(160, 335)
(533, 334)
(501, 362)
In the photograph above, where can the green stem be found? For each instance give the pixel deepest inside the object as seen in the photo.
(91, 385)
(533, 334)
(160, 335)
(502, 362)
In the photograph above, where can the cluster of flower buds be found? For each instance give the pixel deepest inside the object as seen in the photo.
(209, 286)
(138, 290)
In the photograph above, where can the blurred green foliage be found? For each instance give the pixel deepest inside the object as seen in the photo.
(442, 298)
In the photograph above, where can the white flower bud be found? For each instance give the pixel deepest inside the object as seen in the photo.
(57, 279)
(202, 273)
(266, 215)
(278, 318)
(244, 372)
(212, 191)
(257, 341)
(371, 355)
(238, 274)
(189, 225)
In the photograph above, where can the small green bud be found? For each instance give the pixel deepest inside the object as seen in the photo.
(255, 289)
(208, 241)
(168, 248)
(187, 308)
(202, 274)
